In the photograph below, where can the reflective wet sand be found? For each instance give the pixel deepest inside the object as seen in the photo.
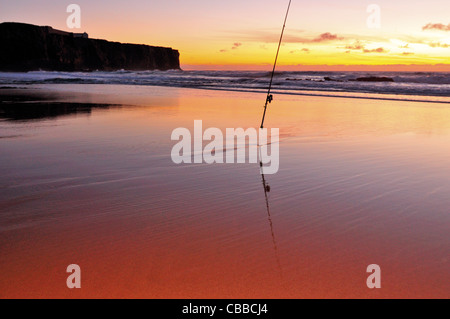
(360, 182)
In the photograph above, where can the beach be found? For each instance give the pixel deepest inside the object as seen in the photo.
(361, 181)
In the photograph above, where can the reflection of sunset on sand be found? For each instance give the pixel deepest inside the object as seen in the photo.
(360, 182)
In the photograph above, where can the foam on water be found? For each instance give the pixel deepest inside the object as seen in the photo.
(416, 86)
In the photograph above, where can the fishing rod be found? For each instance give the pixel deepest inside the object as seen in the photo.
(269, 97)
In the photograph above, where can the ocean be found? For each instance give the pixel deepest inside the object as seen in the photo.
(419, 86)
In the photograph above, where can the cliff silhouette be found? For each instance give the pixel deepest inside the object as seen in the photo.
(27, 47)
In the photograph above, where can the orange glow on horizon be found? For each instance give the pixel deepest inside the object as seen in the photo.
(326, 35)
(329, 68)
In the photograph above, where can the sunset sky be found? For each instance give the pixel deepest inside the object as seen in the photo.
(243, 34)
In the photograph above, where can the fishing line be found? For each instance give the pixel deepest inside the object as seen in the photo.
(269, 97)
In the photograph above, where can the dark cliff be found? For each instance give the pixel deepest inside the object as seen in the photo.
(28, 47)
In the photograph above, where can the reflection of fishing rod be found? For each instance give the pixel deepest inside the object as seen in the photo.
(266, 191)
(269, 97)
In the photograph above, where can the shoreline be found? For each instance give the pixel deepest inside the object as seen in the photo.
(414, 87)
(328, 94)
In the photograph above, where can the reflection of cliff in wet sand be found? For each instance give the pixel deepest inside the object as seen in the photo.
(17, 106)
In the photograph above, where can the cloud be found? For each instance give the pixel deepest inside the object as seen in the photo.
(236, 45)
(356, 46)
(292, 36)
(437, 26)
(306, 50)
(266, 36)
(378, 50)
(439, 45)
(324, 37)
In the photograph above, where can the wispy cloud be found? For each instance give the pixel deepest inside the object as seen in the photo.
(236, 45)
(324, 37)
(305, 50)
(439, 45)
(356, 46)
(377, 50)
(293, 36)
(437, 26)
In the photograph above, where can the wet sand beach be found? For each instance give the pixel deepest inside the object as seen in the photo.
(87, 179)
